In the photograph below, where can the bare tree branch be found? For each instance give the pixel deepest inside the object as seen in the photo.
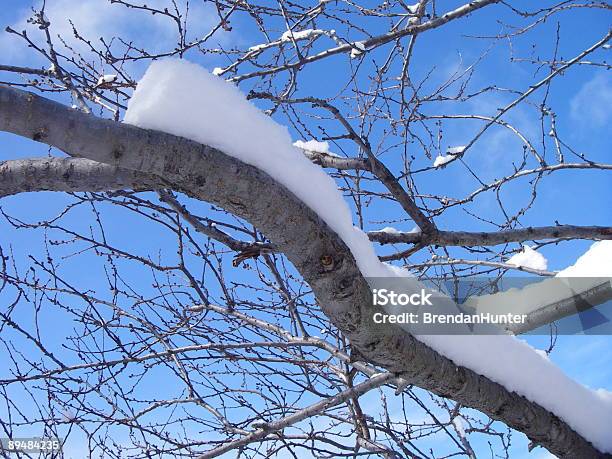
(471, 239)
(269, 428)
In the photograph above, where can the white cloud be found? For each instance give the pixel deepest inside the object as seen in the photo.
(99, 18)
(591, 104)
(499, 146)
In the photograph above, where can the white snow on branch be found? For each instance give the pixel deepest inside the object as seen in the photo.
(583, 276)
(442, 160)
(451, 153)
(358, 48)
(107, 79)
(166, 99)
(390, 230)
(595, 262)
(260, 47)
(315, 146)
(529, 258)
(301, 34)
(456, 150)
(412, 9)
(287, 37)
(460, 425)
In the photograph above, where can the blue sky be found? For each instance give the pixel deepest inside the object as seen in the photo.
(581, 100)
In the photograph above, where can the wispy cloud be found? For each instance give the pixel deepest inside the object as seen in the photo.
(591, 104)
(97, 19)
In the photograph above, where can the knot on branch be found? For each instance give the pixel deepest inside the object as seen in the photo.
(327, 262)
(261, 425)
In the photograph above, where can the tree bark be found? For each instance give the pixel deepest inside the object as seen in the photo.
(70, 174)
(483, 238)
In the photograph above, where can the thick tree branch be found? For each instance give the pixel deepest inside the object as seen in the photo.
(70, 174)
(341, 290)
(79, 174)
(478, 238)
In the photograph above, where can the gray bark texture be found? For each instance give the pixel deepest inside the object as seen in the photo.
(318, 253)
(468, 239)
(70, 174)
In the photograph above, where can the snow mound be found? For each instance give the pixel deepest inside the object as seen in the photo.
(595, 262)
(184, 99)
(529, 258)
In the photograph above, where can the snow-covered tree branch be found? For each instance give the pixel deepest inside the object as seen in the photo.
(230, 178)
(320, 256)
